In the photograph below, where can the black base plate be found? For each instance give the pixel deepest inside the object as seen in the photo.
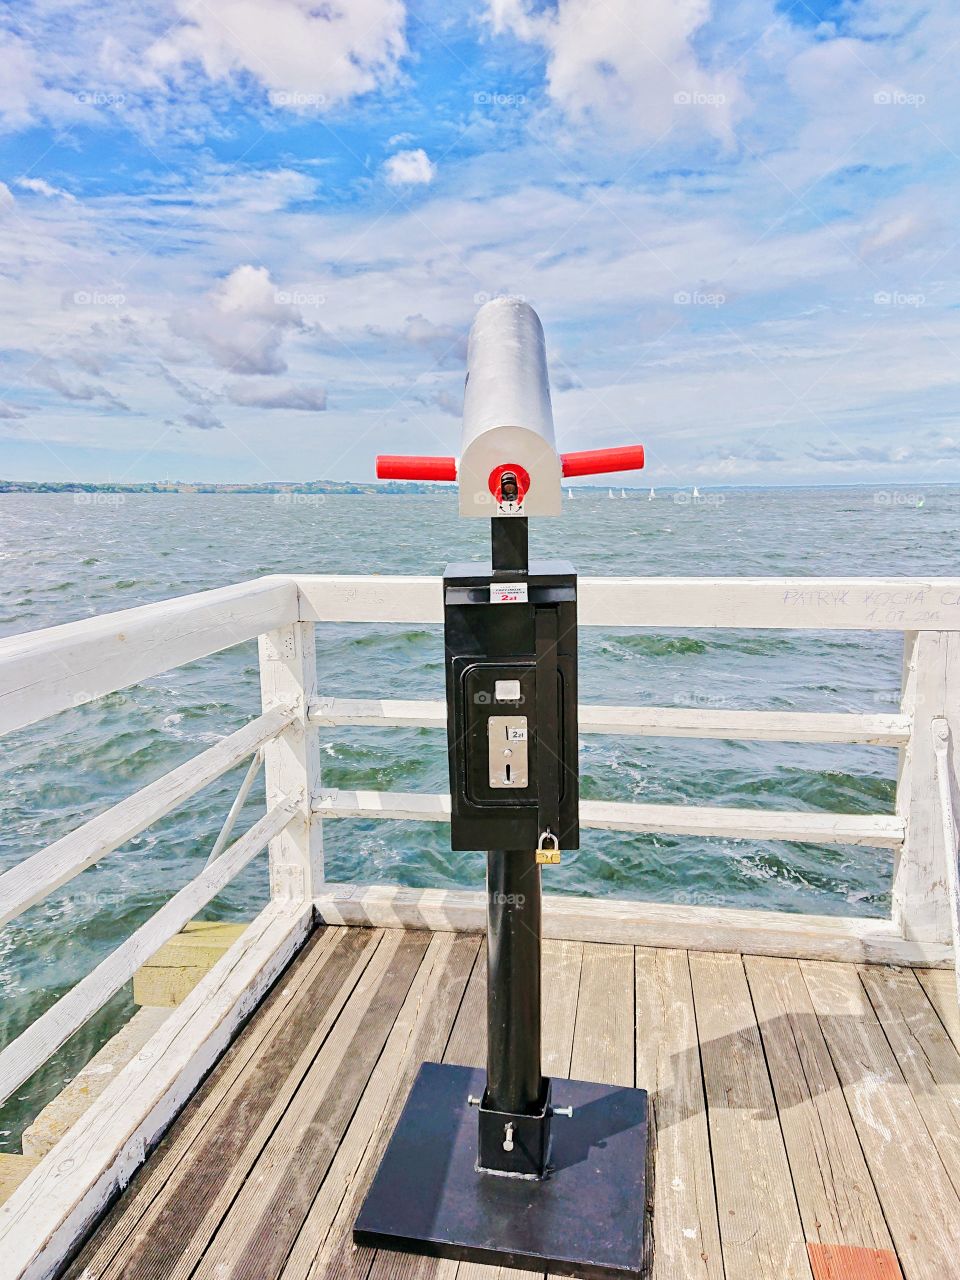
(584, 1219)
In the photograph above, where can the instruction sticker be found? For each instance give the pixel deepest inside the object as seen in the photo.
(508, 593)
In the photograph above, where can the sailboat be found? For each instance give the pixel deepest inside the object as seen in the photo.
(623, 493)
(570, 494)
(652, 494)
(696, 492)
(611, 494)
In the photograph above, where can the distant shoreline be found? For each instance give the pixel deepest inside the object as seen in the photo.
(393, 487)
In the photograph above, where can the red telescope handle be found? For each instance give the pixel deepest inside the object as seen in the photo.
(393, 466)
(593, 462)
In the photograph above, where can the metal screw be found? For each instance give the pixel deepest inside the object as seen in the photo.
(472, 1101)
(508, 1138)
(563, 1111)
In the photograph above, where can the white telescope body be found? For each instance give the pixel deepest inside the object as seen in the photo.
(507, 416)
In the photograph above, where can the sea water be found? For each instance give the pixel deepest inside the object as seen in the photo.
(69, 556)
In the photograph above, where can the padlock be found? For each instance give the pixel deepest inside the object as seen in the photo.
(548, 857)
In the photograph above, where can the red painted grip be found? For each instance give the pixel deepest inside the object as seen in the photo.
(594, 462)
(393, 466)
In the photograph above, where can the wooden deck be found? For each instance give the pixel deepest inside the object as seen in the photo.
(807, 1114)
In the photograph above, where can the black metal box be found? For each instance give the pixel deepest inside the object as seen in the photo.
(511, 672)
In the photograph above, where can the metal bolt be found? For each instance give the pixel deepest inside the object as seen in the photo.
(563, 1111)
(508, 1137)
(472, 1101)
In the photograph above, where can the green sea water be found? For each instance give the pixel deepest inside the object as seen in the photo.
(64, 557)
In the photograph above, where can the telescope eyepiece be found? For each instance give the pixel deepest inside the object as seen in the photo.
(509, 488)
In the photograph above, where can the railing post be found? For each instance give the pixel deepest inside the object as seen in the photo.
(288, 676)
(931, 688)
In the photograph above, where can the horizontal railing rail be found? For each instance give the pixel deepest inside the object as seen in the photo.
(878, 830)
(793, 604)
(57, 668)
(653, 722)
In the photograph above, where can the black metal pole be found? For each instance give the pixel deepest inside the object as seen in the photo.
(513, 981)
(508, 544)
(513, 924)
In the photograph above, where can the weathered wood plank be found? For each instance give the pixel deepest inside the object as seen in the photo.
(43, 1220)
(919, 1201)
(647, 924)
(925, 1054)
(760, 1229)
(561, 977)
(941, 988)
(468, 1047)
(878, 830)
(675, 722)
(324, 1247)
(255, 1237)
(604, 1046)
(837, 1200)
(32, 880)
(41, 1039)
(273, 1030)
(682, 1230)
(43, 672)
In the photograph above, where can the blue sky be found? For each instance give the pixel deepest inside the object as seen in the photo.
(244, 239)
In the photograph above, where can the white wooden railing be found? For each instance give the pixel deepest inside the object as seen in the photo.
(62, 667)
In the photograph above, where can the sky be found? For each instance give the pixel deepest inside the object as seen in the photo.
(244, 240)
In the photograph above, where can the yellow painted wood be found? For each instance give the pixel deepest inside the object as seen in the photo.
(174, 970)
(13, 1170)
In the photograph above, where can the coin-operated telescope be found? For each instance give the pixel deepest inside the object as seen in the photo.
(509, 1186)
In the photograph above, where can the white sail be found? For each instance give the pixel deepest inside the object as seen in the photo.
(696, 492)
(651, 495)
(610, 494)
(623, 493)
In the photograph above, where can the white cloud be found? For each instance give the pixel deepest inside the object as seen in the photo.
(630, 67)
(277, 395)
(242, 322)
(200, 419)
(308, 56)
(409, 168)
(40, 187)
